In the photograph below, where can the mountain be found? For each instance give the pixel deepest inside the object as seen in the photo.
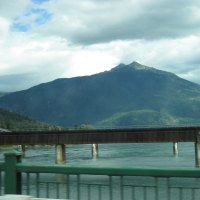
(127, 95)
(2, 94)
(15, 122)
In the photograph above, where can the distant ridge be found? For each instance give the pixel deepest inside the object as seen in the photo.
(2, 94)
(4, 130)
(10, 121)
(127, 95)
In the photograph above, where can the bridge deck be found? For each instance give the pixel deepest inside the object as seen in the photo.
(100, 136)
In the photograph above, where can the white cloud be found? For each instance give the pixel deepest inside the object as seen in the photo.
(85, 62)
(88, 36)
(4, 28)
(10, 9)
(90, 21)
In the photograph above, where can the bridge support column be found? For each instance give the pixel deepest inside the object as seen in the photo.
(60, 154)
(197, 149)
(95, 151)
(22, 148)
(175, 148)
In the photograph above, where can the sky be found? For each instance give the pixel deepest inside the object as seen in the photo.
(42, 40)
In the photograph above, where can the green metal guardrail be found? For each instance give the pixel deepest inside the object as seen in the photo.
(2, 168)
(96, 183)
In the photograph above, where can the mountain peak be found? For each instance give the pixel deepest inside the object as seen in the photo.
(138, 66)
(134, 65)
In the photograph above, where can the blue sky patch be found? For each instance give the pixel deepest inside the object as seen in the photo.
(32, 18)
(20, 27)
(39, 1)
(41, 16)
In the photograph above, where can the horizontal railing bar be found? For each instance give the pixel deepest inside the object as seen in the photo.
(169, 187)
(85, 184)
(130, 171)
(183, 187)
(138, 129)
(140, 186)
(91, 184)
(124, 185)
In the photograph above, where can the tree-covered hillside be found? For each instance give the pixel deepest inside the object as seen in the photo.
(15, 122)
(142, 118)
(127, 95)
(2, 94)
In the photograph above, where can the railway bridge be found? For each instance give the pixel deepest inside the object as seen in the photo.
(105, 136)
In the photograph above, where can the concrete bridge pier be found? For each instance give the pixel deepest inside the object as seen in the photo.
(60, 154)
(197, 149)
(95, 151)
(175, 148)
(22, 148)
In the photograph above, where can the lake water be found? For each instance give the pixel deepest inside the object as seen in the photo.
(116, 155)
(147, 154)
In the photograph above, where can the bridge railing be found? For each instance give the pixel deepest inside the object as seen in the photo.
(2, 178)
(96, 183)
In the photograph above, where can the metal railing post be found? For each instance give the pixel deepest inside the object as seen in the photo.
(12, 177)
(197, 149)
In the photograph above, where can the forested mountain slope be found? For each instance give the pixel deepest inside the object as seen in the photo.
(127, 95)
